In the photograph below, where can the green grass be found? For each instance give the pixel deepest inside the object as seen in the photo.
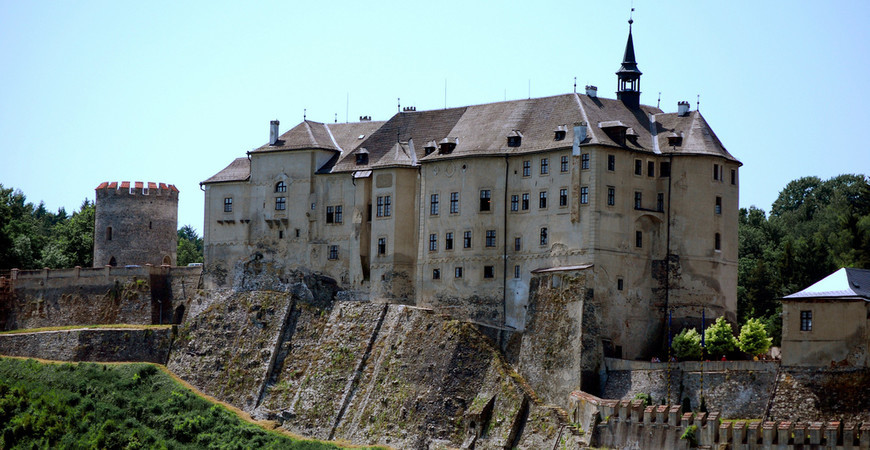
(119, 406)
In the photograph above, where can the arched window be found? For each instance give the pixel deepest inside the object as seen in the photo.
(166, 260)
(112, 262)
(280, 187)
(108, 233)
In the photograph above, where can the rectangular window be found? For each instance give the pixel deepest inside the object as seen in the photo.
(518, 244)
(457, 272)
(611, 195)
(280, 203)
(454, 203)
(718, 242)
(380, 206)
(433, 242)
(525, 201)
(544, 236)
(369, 213)
(611, 162)
(584, 161)
(333, 252)
(563, 165)
(338, 215)
(466, 239)
(330, 214)
(545, 166)
(228, 204)
(516, 271)
(638, 239)
(280, 234)
(436, 274)
(733, 176)
(650, 168)
(485, 199)
(382, 246)
(433, 204)
(488, 271)
(388, 206)
(660, 202)
(515, 202)
(638, 200)
(638, 167)
(584, 195)
(619, 284)
(542, 199)
(665, 169)
(716, 172)
(718, 208)
(563, 197)
(448, 241)
(490, 238)
(806, 321)
(527, 168)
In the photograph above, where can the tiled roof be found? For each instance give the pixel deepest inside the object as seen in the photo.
(238, 170)
(481, 130)
(843, 283)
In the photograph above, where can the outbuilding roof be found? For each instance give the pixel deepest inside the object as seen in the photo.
(844, 283)
(238, 170)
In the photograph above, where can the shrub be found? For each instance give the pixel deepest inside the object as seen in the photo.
(687, 344)
(690, 435)
(753, 338)
(647, 399)
(719, 339)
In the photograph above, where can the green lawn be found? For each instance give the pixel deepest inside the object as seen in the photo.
(137, 405)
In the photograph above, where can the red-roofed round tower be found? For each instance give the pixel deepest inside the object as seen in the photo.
(136, 224)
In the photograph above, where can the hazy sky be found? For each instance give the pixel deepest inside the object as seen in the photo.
(173, 91)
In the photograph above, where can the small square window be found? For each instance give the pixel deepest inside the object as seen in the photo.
(333, 252)
(488, 271)
(806, 321)
(620, 284)
(280, 187)
(382, 246)
(280, 203)
(584, 195)
(584, 161)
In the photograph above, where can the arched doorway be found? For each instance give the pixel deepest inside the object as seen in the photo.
(112, 262)
(166, 260)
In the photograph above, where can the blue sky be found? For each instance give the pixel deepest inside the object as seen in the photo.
(173, 91)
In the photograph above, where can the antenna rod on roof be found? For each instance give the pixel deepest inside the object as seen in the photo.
(530, 88)
(445, 93)
(698, 105)
(399, 104)
(336, 117)
(347, 108)
(659, 101)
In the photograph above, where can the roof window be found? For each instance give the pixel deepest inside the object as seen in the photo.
(560, 132)
(447, 145)
(514, 139)
(429, 148)
(362, 156)
(674, 139)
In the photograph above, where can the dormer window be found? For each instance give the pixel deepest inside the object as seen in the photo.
(615, 130)
(675, 140)
(447, 145)
(560, 132)
(362, 157)
(429, 148)
(514, 139)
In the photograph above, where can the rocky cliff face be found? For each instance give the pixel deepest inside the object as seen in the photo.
(358, 371)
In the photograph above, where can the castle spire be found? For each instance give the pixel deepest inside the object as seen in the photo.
(628, 84)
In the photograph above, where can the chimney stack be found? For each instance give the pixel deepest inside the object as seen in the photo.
(579, 137)
(592, 91)
(273, 132)
(682, 108)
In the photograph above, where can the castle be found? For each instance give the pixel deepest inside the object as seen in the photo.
(135, 224)
(455, 209)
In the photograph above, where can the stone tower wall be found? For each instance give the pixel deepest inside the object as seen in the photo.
(143, 218)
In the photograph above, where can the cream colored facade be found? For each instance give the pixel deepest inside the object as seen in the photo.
(453, 209)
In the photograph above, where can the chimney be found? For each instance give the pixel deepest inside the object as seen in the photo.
(592, 91)
(579, 137)
(273, 132)
(682, 108)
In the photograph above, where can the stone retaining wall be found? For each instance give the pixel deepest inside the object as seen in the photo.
(96, 345)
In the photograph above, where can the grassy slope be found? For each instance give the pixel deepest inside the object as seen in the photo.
(117, 406)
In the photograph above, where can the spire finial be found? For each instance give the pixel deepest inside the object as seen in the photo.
(304, 114)
(631, 15)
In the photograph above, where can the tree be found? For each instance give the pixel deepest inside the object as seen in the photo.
(753, 338)
(687, 344)
(719, 339)
(190, 246)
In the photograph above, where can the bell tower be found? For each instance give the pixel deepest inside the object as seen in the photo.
(628, 85)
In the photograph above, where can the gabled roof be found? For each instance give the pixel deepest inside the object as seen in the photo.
(698, 137)
(307, 135)
(238, 170)
(844, 283)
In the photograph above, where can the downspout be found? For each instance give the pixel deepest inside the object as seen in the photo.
(504, 242)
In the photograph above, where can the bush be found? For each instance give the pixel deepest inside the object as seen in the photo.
(687, 345)
(753, 338)
(647, 399)
(719, 339)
